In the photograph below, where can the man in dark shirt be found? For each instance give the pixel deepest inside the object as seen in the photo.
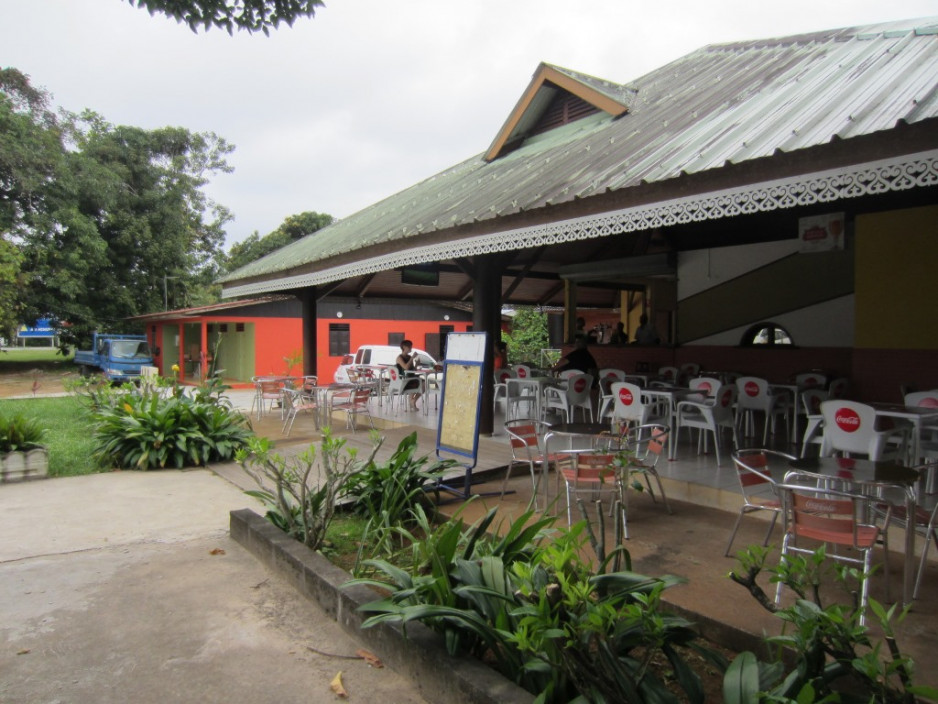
(578, 358)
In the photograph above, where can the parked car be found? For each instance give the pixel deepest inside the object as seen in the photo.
(372, 358)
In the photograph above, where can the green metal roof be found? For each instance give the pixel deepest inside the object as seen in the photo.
(723, 104)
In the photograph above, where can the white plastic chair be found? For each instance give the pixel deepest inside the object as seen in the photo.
(754, 395)
(577, 394)
(671, 375)
(811, 402)
(850, 427)
(629, 408)
(713, 416)
(810, 380)
(607, 377)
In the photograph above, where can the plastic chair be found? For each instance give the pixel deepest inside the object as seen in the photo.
(607, 377)
(672, 375)
(810, 380)
(646, 445)
(850, 427)
(294, 402)
(811, 402)
(526, 438)
(757, 484)
(501, 387)
(839, 387)
(705, 386)
(833, 517)
(522, 371)
(711, 416)
(629, 407)
(754, 395)
(593, 471)
(353, 403)
(432, 387)
(576, 395)
(689, 370)
(401, 386)
(518, 394)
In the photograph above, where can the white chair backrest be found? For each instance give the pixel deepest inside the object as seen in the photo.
(669, 374)
(925, 399)
(612, 373)
(522, 371)
(690, 369)
(578, 389)
(706, 385)
(811, 400)
(810, 380)
(848, 426)
(567, 373)
(627, 399)
(503, 375)
(753, 392)
(839, 387)
(724, 400)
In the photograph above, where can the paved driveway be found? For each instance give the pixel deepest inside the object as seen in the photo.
(125, 587)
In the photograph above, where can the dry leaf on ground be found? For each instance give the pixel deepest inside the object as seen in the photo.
(338, 687)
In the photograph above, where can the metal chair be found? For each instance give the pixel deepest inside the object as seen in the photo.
(645, 443)
(353, 402)
(757, 484)
(593, 471)
(526, 438)
(294, 402)
(835, 518)
(266, 392)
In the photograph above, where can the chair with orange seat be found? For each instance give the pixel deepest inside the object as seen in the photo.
(759, 471)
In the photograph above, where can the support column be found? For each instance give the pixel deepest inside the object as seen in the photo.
(487, 317)
(569, 310)
(307, 298)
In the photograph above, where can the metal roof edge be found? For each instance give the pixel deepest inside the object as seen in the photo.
(893, 174)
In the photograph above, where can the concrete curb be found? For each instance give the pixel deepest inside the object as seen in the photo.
(421, 655)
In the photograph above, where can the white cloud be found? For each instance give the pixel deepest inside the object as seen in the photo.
(369, 96)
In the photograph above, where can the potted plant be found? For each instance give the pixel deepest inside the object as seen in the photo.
(22, 456)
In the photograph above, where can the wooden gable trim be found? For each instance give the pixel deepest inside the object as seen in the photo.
(548, 74)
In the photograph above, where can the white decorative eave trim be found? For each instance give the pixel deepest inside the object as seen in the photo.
(889, 175)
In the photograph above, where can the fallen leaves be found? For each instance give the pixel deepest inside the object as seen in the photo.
(370, 658)
(216, 551)
(337, 686)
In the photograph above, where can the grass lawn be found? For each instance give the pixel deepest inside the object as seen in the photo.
(22, 359)
(68, 435)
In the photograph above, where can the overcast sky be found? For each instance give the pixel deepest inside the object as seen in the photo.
(369, 96)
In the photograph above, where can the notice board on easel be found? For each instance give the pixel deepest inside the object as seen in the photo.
(458, 427)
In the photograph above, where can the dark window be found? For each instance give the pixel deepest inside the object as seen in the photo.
(339, 339)
(223, 327)
(239, 327)
(766, 334)
(396, 338)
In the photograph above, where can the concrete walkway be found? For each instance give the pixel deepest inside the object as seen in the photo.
(125, 587)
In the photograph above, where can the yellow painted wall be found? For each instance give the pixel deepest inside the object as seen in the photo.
(897, 279)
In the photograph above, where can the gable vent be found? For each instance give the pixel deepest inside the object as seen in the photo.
(563, 109)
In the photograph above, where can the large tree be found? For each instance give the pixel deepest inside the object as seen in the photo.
(249, 15)
(125, 215)
(294, 227)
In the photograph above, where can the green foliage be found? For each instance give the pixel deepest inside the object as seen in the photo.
(292, 229)
(835, 658)
(248, 15)
(19, 432)
(142, 428)
(300, 502)
(528, 336)
(69, 436)
(539, 612)
(387, 494)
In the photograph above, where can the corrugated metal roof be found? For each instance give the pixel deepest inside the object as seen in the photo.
(722, 104)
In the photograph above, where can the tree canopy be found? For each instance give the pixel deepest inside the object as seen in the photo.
(95, 217)
(293, 228)
(248, 15)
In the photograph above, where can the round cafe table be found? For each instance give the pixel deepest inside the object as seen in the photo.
(578, 437)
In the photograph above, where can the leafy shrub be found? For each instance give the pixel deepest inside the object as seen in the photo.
(386, 494)
(835, 658)
(540, 613)
(298, 502)
(19, 433)
(142, 429)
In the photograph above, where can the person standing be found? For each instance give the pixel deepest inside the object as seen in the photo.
(619, 335)
(646, 333)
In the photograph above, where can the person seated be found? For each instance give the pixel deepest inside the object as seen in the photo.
(578, 358)
(406, 364)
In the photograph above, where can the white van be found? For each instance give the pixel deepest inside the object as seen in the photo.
(375, 357)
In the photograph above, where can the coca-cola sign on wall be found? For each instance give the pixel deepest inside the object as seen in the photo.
(847, 420)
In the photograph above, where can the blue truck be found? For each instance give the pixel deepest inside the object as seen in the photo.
(118, 357)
